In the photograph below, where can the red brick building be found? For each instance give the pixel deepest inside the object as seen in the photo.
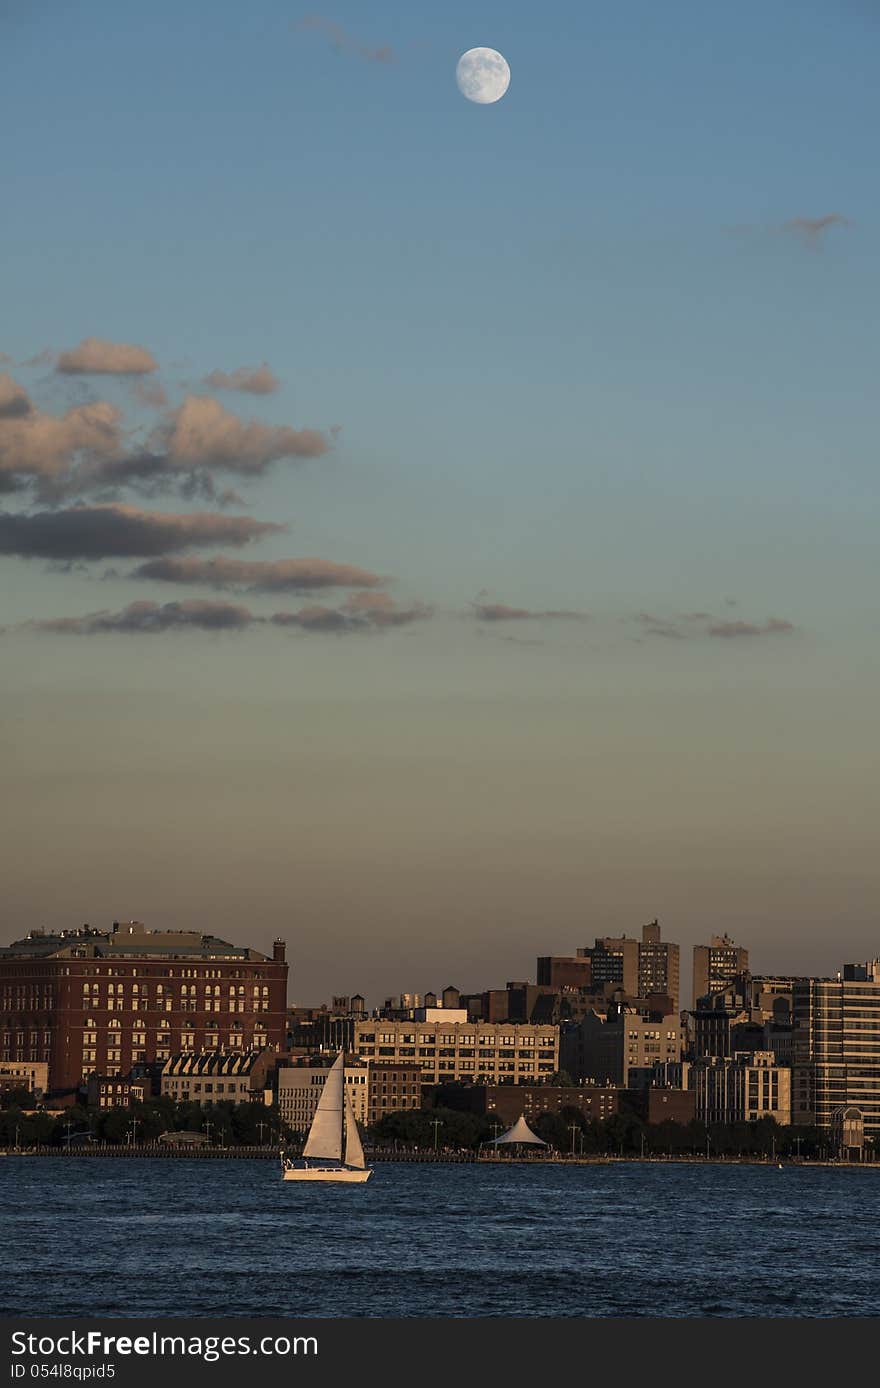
(393, 1085)
(87, 1001)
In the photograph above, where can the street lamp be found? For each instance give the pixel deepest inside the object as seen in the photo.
(572, 1128)
(260, 1127)
(435, 1124)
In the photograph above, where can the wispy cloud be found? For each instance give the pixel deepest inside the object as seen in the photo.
(116, 531)
(151, 394)
(255, 380)
(146, 618)
(149, 618)
(343, 41)
(362, 612)
(811, 230)
(257, 575)
(500, 612)
(774, 626)
(95, 356)
(692, 625)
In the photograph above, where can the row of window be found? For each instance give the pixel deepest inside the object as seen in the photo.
(457, 1038)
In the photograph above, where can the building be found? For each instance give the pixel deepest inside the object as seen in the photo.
(656, 1105)
(218, 1077)
(507, 1102)
(449, 1047)
(743, 1089)
(32, 1075)
(393, 1087)
(562, 971)
(717, 965)
(88, 1001)
(659, 965)
(300, 1086)
(641, 968)
(374, 1089)
(143, 1083)
(319, 1029)
(615, 961)
(605, 1046)
(836, 1048)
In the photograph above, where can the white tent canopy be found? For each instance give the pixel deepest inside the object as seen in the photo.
(520, 1132)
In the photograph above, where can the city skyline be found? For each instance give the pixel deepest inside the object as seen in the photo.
(427, 527)
(394, 979)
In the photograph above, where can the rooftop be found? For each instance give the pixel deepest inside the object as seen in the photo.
(130, 939)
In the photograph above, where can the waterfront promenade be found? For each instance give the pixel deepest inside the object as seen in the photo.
(158, 1152)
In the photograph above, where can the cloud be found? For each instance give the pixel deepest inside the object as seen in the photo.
(94, 356)
(343, 42)
(145, 618)
(362, 612)
(14, 401)
(256, 380)
(43, 447)
(772, 627)
(201, 433)
(114, 531)
(259, 575)
(500, 612)
(198, 438)
(811, 230)
(700, 624)
(150, 393)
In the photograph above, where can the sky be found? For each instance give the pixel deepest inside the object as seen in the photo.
(441, 533)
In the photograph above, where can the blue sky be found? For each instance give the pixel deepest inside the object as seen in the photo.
(582, 355)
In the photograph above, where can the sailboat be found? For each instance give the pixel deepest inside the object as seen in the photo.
(334, 1120)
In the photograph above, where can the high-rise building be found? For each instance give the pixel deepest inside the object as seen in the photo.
(87, 1001)
(716, 965)
(658, 965)
(836, 1050)
(614, 960)
(641, 968)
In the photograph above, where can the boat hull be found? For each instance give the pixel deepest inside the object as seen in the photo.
(327, 1173)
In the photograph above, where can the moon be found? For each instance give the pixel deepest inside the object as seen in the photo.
(482, 75)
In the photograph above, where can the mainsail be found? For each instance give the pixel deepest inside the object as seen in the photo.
(354, 1152)
(325, 1134)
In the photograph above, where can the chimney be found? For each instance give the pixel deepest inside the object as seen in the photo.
(278, 951)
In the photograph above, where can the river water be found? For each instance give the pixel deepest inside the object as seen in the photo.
(95, 1236)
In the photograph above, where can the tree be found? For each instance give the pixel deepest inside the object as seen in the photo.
(561, 1078)
(553, 1129)
(16, 1098)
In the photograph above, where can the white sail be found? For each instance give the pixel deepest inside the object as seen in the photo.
(354, 1152)
(325, 1134)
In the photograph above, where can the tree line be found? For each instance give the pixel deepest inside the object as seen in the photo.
(566, 1132)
